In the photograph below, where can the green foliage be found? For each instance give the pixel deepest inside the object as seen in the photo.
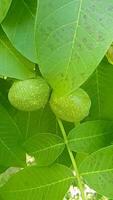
(19, 27)
(4, 7)
(73, 107)
(29, 95)
(31, 184)
(91, 136)
(71, 39)
(55, 64)
(42, 144)
(13, 64)
(99, 87)
(97, 170)
(11, 152)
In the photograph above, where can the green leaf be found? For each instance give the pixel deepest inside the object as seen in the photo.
(91, 136)
(80, 157)
(45, 148)
(19, 27)
(64, 158)
(11, 152)
(100, 90)
(40, 121)
(13, 64)
(97, 170)
(3, 169)
(69, 48)
(38, 183)
(4, 7)
(5, 176)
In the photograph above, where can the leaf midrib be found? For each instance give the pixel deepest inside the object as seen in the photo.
(42, 186)
(74, 37)
(88, 137)
(28, 9)
(98, 94)
(9, 149)
(48, 148)
(52, 13)
(96, 172)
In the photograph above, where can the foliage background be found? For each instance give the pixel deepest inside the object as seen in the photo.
(65, 42)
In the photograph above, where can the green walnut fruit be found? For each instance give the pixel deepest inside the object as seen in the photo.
(109, 54)
(29, 95)
(72, 108)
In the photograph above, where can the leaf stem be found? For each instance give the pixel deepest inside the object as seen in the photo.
(72, 159)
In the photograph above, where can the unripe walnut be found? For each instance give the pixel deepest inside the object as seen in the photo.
(109, 54)
(72, 108)
(29, 95)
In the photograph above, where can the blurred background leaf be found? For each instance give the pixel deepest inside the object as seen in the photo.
(4, 7)
(12, 63)
(100, 89)
(19, 26)
(11, 151)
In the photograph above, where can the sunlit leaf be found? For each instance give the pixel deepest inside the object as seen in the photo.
(45, 148)
(97, 170)
(91, 136)
(69, 48)
(38, 183)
